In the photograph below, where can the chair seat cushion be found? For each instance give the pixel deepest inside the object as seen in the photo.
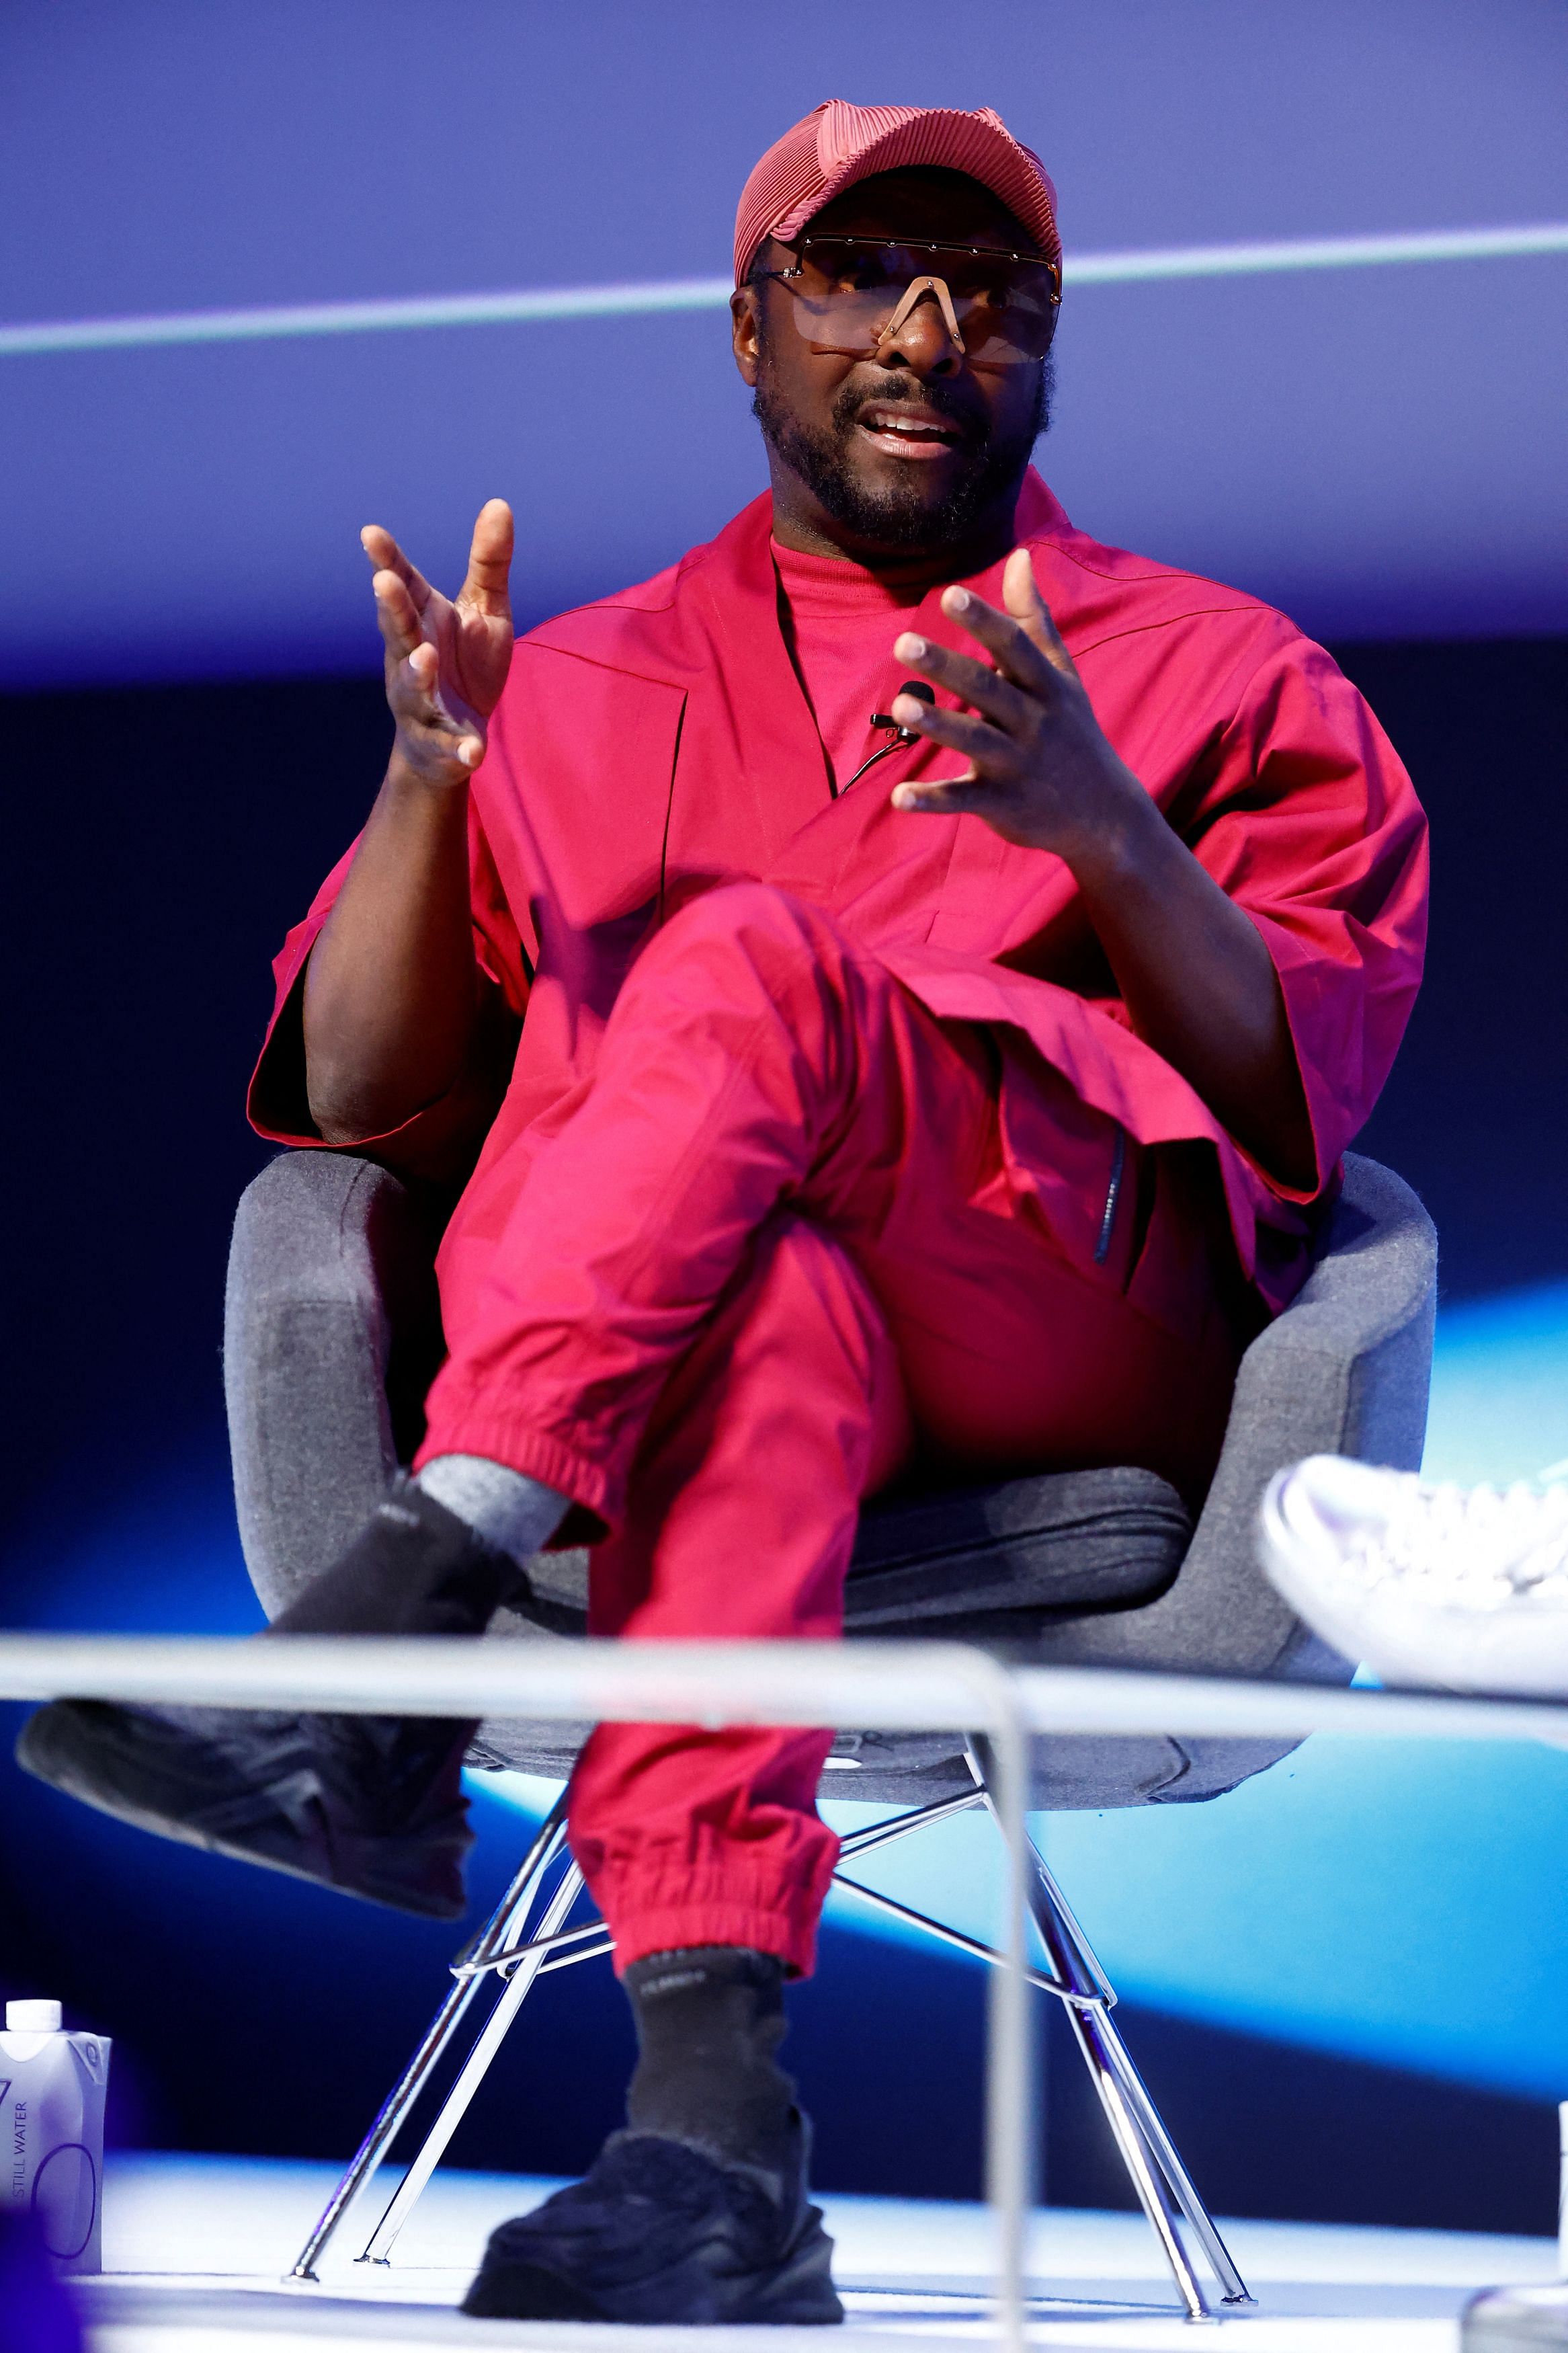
(972, 1564)
(1066, 1541)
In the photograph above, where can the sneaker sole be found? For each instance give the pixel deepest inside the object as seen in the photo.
(88, 1750)
(798, 2292)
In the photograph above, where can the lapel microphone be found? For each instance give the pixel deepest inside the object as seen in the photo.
(891, 727)
(922, 692)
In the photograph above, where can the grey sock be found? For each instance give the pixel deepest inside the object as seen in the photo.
(513, 1513)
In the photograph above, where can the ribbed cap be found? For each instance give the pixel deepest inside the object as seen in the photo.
(33, 2017)
(837, 144)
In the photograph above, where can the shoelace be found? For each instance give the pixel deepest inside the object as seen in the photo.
(1479, 1547)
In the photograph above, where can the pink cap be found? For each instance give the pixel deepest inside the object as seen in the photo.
(837, 143)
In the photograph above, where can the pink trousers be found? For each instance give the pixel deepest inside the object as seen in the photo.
(774, 1260)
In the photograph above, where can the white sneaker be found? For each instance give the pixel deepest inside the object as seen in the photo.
(1466, 1587)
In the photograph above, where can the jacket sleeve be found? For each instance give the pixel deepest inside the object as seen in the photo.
(441, 1139)
(1310, 822)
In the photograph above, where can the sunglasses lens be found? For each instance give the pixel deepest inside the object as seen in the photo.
(846, 291)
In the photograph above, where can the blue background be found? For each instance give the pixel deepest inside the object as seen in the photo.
(1381, 451)
(1348, 1979)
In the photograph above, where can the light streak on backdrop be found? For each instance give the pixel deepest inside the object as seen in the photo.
(645, 296)
(1315, 344)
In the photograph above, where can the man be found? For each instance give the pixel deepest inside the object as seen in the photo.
(954, 956)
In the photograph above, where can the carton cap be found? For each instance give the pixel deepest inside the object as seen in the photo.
(32, 2017)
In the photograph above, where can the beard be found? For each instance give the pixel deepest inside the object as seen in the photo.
(898, 516)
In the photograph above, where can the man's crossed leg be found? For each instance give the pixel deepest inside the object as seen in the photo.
(774, 1261)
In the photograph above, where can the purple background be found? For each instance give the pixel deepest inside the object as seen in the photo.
(1381, 451)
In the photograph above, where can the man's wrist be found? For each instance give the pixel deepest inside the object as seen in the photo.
(1130, 835)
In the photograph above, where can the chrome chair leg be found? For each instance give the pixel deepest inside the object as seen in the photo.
(1154, 2193)
(519, 1971)
(1165, 2188)
(372, 2151)
(515, 1992)
(513, 1953)
(1168, 2157)
(506, 1954)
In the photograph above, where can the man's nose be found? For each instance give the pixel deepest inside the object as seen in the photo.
(923, 332)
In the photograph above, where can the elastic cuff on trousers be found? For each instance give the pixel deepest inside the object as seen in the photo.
(671, 1927)
(536, 1455)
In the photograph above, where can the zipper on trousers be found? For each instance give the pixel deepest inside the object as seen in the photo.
(1113, 1195)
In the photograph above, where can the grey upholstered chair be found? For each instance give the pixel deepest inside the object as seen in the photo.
(332, 1333)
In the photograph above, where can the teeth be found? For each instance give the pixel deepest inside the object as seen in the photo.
(905, 425)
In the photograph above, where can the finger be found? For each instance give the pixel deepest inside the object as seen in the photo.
(435, 756)
(1021, 596)
(948, 797)
(423, 665)
(423, 671)
(490, 559)
(989, 750)
(418, 670)
(419, 707)
(416, 660)
(387, 556)
(395, 612)
(977, 683)
(1017, 655)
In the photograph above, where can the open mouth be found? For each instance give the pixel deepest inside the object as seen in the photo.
(905, 429)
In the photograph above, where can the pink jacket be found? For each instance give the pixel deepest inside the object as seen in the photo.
(658, 745)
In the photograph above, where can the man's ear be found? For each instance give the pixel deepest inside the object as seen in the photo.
(745, 332)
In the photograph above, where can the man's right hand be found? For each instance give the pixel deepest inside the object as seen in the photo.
(446, 662)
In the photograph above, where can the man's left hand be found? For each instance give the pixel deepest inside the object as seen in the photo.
(1041, 771)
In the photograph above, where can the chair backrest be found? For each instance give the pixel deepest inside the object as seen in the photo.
(1346, 1369)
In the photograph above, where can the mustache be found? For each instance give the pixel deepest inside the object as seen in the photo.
(936, 395)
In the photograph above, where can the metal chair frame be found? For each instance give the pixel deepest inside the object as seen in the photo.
(526, 1937)
(1344, 1369)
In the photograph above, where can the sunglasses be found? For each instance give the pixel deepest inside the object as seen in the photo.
(852, 293)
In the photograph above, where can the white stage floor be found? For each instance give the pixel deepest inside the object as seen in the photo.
(195, 2249)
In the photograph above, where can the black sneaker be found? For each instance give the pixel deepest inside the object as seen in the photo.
(372, 1805)
(658, 2230)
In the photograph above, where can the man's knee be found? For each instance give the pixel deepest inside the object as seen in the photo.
(749, 952)
(756, 926)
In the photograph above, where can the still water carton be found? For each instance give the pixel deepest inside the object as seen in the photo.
(52, 2088)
